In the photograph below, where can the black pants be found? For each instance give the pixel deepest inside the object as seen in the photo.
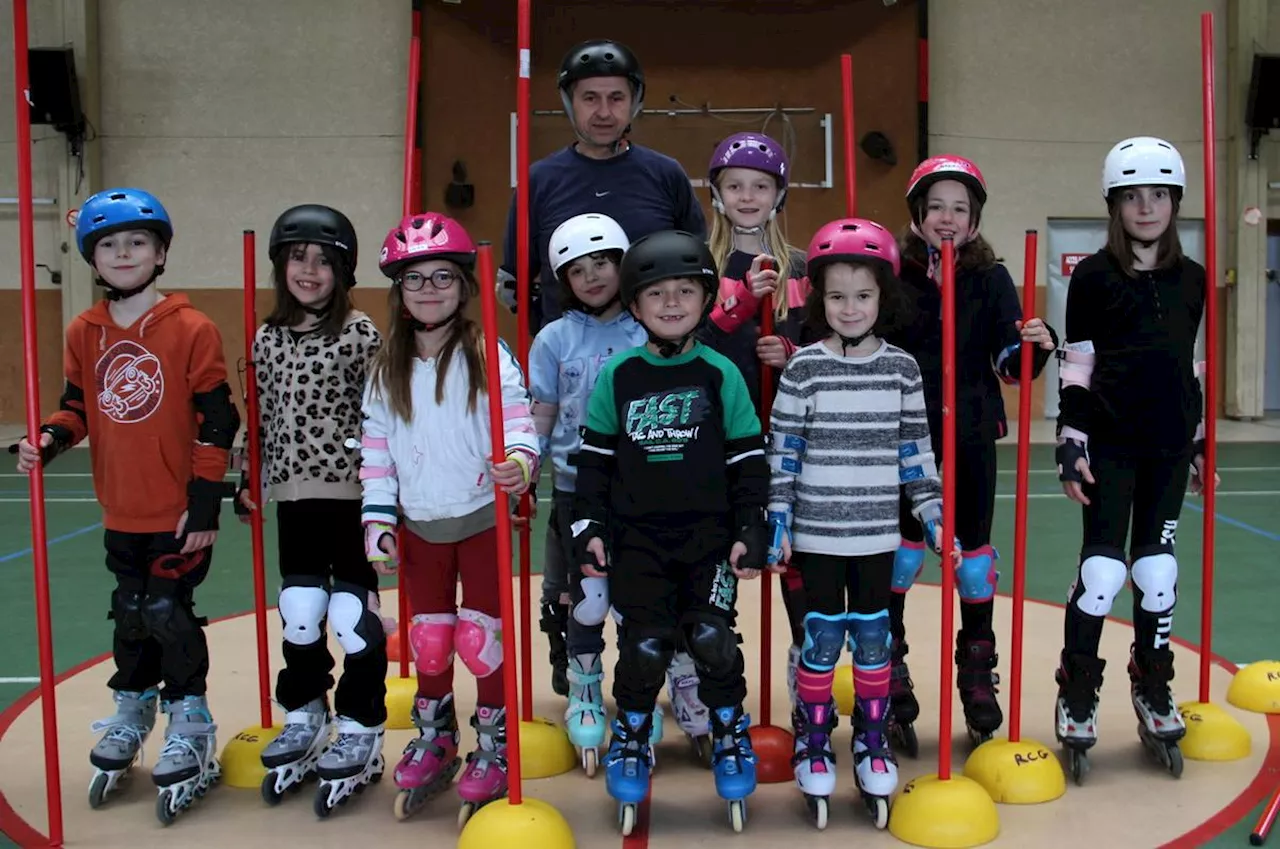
(579, 638)
(671, 583)
(322, 540)
(1148, 490)
(158, 638)
(834, 585)
(975, 508)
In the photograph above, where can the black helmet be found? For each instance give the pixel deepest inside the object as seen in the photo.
(315, 224)
(601, 58)
(662, 256)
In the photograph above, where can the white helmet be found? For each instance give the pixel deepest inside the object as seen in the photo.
(1143, 161)
(585, 234)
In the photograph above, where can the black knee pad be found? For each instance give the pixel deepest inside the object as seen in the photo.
(711, 642)
(126, 611)
(170, 619)
(648, 653)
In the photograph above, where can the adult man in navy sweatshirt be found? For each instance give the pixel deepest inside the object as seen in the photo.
(602, 88)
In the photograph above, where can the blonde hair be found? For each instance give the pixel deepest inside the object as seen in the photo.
(775, 244)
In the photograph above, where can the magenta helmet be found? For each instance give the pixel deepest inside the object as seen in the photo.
(428, 235)
(749, 150)
(852, 240)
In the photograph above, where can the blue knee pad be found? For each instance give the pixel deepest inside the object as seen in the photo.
(870, 640)
(908, 560)
(976, 576)
(823, 640)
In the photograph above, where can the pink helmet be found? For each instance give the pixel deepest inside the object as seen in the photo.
(852, 240)
(427, 235)
(937, 168)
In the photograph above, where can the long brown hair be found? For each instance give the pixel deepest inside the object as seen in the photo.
(1120, 243)
(974, 255)
(288, 312)
(392, 372)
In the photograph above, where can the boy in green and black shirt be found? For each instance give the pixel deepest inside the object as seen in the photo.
(672, 476)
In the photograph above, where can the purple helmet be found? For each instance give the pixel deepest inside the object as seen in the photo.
(749, 150)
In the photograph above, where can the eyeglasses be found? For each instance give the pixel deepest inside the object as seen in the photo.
(441, 280)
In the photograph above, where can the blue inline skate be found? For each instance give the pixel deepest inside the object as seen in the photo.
(627, 765)
(732, 761)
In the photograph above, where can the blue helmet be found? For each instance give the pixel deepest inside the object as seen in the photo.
(113, 210)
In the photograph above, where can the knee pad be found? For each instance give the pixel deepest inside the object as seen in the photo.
(870, 641)
(126, 611)
(908, 560)
(823, 640)
(358, 628)
(169, 619)
(1155, 582)
(478, 638)
(976, 576)
(303, 605)
(710, 642)
(649, 654)
(593, 607)
(1101, 578)
(431, 639)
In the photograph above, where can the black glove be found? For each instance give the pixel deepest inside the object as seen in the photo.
(62, 441)
(754, 532)
(204, 502)
(1066, 455)
(584, 531)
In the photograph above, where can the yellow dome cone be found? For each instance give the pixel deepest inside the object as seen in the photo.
(242, 757)
(545, 749)
(1022, 773)
(1256, 687)
(1212, 733)
(533, 824)
(400, 694)
(952, 814)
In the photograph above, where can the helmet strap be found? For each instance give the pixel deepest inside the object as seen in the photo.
(668, 348)
(847, 342)
(416, 326)
(114, 294)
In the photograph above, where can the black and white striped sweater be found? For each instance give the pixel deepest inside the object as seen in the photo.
(864, 428)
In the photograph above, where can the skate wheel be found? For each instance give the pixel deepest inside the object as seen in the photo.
(405, 805)
(464, 814)
(321, 805)
(627, 819)
(590, 759)
(818, 810)
(98, 790)
(1079, 763)
(164, 809)
(738, 815)
(269, 794)
(878, 807)
(1173, 757)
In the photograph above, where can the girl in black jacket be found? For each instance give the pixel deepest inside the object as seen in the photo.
(946, 195)
(1129, 428)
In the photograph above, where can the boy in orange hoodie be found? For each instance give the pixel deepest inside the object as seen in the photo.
(146, 379)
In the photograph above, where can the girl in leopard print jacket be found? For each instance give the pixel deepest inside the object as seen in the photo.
(312, 357)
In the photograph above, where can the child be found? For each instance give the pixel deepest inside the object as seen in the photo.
(830, 515)
(945, 196)
(1130, 424)
(427, 454)
(564, 362)
(671, 473)
(312, 356)
(161, 421)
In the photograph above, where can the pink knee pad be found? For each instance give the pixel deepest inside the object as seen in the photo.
(431, 638)
(479, 641)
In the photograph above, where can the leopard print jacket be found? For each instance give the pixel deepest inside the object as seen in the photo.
(309, 394)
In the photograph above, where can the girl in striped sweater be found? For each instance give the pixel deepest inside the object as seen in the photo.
(848, 427)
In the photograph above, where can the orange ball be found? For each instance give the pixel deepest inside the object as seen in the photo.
(774, 747)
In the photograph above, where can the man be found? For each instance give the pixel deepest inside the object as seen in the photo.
(602, 88)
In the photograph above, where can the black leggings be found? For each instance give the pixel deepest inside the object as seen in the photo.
(834, 585)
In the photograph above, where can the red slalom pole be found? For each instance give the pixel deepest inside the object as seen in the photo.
(948, 502)
(39, 531)
(1210, 351)
(766, 577)
(254, 459)
(1023, 488)
(850, 173)
(1262, 829)
(523, 284)
(489, 310)
(415, 95)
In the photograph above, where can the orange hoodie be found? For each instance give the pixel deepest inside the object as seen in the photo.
(138, 384)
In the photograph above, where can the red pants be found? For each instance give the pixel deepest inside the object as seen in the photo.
(431, 572)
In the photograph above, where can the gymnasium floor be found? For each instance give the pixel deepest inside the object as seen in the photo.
(1186, 812)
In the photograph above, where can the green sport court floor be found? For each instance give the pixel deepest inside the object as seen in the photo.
(1247, 589)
